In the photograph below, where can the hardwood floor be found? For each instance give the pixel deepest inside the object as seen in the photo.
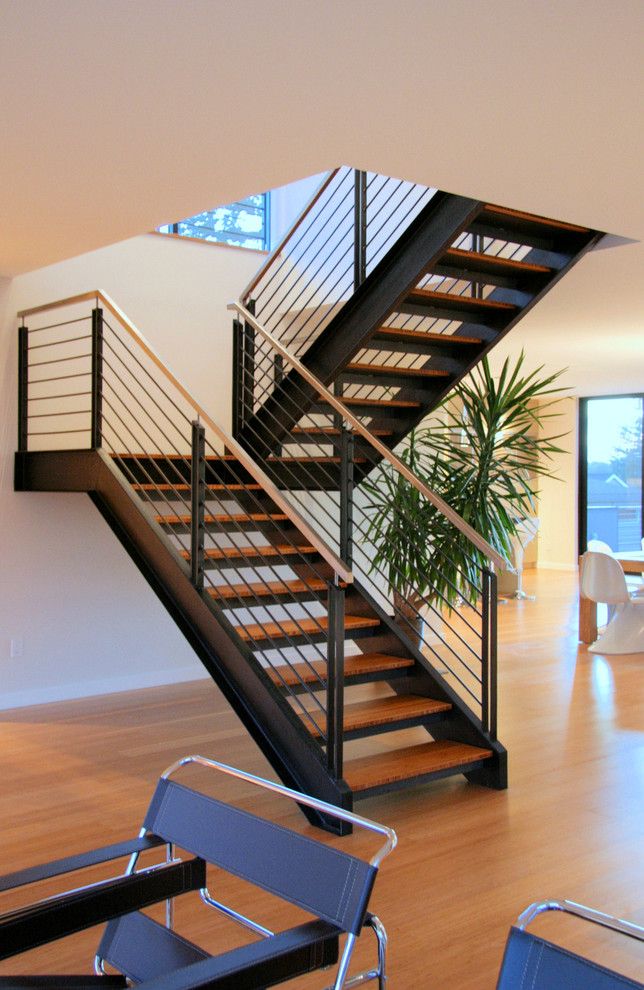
(571, 824)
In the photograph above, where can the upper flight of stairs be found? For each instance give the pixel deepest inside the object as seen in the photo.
(427, 313)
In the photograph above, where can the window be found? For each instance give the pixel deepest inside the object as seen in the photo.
(243, 224)
(611, 461)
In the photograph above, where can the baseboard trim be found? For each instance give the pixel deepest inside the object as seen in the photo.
(552, 565)
(88, 689)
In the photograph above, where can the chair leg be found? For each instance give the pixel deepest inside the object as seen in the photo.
(381, 935)
(344, 963)
(379, 973)
(624, 633)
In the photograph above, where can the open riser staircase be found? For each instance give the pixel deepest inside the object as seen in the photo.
(398, 330)
(260, 542)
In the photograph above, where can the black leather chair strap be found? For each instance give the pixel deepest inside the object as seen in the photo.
(322, 880)
(62, 982)
(262, 964)
(59, 866)
(67, 913)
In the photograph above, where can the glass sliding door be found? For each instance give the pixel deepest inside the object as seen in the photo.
(611, 457)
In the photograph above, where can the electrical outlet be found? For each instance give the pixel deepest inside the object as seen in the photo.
(17, 647)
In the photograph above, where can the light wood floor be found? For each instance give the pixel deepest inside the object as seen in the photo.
(571, 824)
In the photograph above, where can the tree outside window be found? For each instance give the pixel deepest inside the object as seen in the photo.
(245, 223)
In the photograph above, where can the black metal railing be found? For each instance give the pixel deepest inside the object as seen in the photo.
(334, 471)
(339, 238)
(91, 381)
(346, 229)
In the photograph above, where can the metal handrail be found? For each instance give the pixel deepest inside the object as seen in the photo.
(300, 798)
(580, 911)
(325, 551)
(446, 510)
(289, 234)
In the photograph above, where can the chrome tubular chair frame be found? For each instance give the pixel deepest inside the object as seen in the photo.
(323, 806)
(342, 981)
(532, 961)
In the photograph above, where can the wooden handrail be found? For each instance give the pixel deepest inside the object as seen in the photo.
(338, 566)
(446, 510)
(287, 236)
(69, 301)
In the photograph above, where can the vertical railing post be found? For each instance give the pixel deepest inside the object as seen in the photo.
(238, 373)
(197, 506)
(489, 653)
(97, 378)
(335, 679)
(347, 451)
(278, 369)
(278, 377)
(248, 364)
(493, 614)
(360, 229)
(23, 387)
(476, 288)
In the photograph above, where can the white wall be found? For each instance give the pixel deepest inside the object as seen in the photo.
(557, 542)
(88, 621)
(287, 202)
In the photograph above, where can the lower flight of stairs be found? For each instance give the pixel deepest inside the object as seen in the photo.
(389, 689)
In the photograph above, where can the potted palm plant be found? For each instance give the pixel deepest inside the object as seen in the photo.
(482, 452)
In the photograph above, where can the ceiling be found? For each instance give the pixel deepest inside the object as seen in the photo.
(117, 116)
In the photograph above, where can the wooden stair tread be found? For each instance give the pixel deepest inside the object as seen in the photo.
(387, 369)
(312, 459)
(261, 589)
(494, 261)
(534, 218)
(355, 666)
(330, 431)
(141, 456)
(382, 403)
(224, 517)
(414, 761)
(233, 553)
(429, 338)
(292, 627)
(390, 709)
(140, 487)
(469, 302)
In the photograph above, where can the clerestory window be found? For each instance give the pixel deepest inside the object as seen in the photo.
(245, 223)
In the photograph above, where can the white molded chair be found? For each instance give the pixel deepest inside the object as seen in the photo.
(598, 546)
(602, 580)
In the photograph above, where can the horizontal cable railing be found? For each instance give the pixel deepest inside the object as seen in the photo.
(266, 571)
(338, 407)
(345, 230)
(360, 495)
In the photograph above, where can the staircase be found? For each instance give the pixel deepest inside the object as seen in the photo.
(402, 328)
(258, 542)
